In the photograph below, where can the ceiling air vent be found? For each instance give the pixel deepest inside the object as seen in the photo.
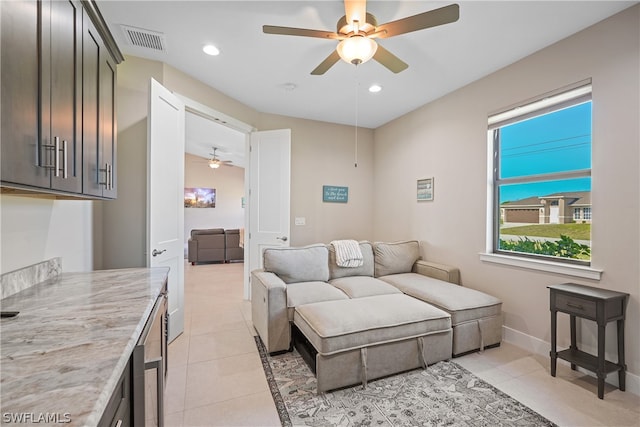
(144, 38)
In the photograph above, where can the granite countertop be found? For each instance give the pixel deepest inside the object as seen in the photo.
(63, 355)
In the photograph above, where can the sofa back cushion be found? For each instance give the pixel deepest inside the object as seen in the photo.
(335, 272)
(206, 232)
(394, 258)
(303, 264)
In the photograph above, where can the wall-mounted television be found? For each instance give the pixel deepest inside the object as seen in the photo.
(199, 197)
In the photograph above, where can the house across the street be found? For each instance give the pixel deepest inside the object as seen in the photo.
(556, 208)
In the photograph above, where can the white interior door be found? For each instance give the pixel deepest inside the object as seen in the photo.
(165, 194)
(269, 195)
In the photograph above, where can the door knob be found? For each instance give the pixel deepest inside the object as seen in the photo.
(283, 238)
(156, 252)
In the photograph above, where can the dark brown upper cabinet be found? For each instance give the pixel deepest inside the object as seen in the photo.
(58, 99)
(99, 119)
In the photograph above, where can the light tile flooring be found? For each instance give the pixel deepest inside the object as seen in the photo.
(216, 379)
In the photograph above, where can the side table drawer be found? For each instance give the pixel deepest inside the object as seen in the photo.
(576, 305)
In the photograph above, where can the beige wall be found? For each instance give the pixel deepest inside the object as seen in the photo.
(124, 228)
(315, 149)
(447, 139)
(321, 154)
(228, 182)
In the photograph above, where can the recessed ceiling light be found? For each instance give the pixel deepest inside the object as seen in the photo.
(211, 50)
(375, 88)
(289, 86)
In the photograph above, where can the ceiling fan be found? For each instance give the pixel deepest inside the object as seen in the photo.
(215, 162)
(358, 29)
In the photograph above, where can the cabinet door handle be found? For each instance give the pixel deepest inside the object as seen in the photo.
(65, 174)
(56, 161)
(52, 148)
(106, 176)
(110, 176)
(118, 424)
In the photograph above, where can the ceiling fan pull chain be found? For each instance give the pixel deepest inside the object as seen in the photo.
(356, 142)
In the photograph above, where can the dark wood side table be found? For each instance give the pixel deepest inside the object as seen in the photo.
(599, 305)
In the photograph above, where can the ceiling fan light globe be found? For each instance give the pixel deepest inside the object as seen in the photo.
(213, 164)
(357, 49)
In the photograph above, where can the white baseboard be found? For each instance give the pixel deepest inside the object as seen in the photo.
(540, 347)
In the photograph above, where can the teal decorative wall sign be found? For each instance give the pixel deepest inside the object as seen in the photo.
(334, 194)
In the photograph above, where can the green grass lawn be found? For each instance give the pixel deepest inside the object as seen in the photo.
(574, 231)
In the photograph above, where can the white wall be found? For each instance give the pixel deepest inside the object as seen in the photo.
(447, 139)
(36, 229)
(228, 182)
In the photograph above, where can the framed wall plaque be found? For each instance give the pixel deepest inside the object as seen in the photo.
(335, 194)
(425, 190)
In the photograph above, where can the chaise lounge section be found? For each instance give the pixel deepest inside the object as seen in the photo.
(393, 313)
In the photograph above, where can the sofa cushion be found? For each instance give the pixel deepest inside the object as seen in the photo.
(303, 264)
(365, 270)
(206, 231)
(309, 292)
(363, 286)
(394, 258)
(464, 304)
(336, 326)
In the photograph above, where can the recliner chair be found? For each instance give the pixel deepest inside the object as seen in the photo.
(207, 245)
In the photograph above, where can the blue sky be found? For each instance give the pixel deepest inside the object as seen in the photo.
(554, 142)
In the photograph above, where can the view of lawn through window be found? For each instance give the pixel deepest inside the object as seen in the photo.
(542, 183)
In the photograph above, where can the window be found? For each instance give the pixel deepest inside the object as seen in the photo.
(542, 177)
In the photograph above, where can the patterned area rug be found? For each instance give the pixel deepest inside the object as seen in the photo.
(445, 394)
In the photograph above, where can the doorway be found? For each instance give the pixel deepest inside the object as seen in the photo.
(267, 176)
(215, 174)
(231, 137)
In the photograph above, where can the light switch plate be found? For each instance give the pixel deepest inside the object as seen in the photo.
(300, 220)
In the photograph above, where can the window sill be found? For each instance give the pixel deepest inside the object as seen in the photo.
(540, 265)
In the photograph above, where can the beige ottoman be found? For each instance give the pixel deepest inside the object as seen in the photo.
(476, 317)
(359, 339)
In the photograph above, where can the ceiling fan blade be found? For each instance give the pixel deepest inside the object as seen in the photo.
(389, 60)
(355, 10)
(304, 32)
(326, 64)
(432, 18)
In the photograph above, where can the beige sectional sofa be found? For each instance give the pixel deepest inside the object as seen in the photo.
(394, 313)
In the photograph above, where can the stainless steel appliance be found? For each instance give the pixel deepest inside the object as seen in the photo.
(150, 367)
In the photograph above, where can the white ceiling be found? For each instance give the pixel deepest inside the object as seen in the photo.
(257, 68)
(202, 135)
